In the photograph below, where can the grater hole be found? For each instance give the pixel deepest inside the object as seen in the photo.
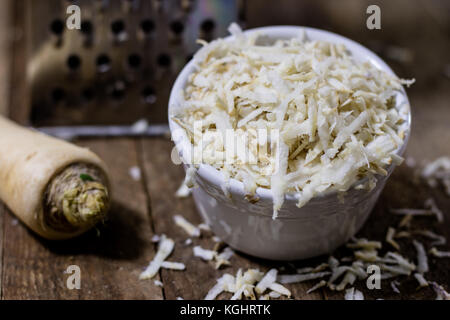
(58, 94)
(73, 62)
(208, 25)
(147, 26)
(164, 60)
(118, 93)
(134, 60)
(103, 63)
(118, 90)
(117, 27)
(86, 27)
(88, 94)
(57, 27)
(148, 95)
(177, 27)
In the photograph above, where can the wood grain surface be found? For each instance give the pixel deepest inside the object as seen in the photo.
(111, 261)
(112, 257)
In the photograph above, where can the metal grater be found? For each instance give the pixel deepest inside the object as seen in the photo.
(120, 66)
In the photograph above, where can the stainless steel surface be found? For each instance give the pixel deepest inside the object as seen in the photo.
(122, 63)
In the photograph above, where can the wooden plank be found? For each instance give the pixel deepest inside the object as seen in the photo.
(163, 179)
(402, 192)
(439, 10)
(110, 262)
(191, 284)
(2, 217)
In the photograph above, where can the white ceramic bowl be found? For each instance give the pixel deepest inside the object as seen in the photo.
(320, 226)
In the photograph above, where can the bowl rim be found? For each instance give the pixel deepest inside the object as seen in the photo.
(234, 186)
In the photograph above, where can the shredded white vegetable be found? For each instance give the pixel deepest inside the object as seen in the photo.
(353, 294)
(390, 238)
(274, 295)
(394, 286)
(173, 265)
(319, 285)
(188, 183)
(190, 229)
(155, 238)
(364, 244)
(280, 289)
(158, 283)
(204, 227)
(296, 278)
(405, 222)
(431, 204)
(183, 191)
(243, 284)
(135, 173)
(306, 270)
(306, 117)
(254, 285)
(223, 258)
(349, 278)
(438, 171)
(319, 268)
(204, 254)
(421, 280)
(165, 248)
(422, 259)
(439, 254)
(218, 288)
(441, 294)
(269, 278)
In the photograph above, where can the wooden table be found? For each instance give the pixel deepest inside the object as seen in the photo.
(112, 257)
